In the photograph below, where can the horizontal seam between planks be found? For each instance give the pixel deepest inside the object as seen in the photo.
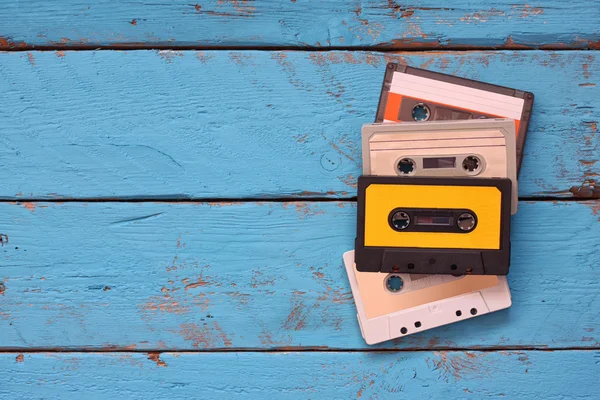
(375, 48)
(216, 200)
(295, 349)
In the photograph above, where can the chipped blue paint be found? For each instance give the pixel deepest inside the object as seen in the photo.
(523, 375)
(425, 23)
(231, 124)
(257, 124)
(249, 275)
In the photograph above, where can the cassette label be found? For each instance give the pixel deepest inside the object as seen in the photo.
(433, 225)
(467, 102)
(395, 305)
(412, 94)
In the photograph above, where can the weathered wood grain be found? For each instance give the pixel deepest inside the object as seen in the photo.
(301, 23)
(254, 124)
(251, 275)
(526, 375)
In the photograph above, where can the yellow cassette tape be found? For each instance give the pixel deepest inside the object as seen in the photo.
(433, 225)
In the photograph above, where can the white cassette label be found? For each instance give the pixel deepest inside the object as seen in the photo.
(457, 96)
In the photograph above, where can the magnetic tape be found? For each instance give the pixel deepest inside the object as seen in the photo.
(476, 148)
(428, 225)
(412, 94)
(395, 305)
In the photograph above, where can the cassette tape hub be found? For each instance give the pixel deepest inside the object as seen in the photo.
(428, 225)
(477, 148)
(413, 94)
(394, 305)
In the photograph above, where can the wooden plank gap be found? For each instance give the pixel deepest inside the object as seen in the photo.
(223, 201)
(295, 349)
(416, 47)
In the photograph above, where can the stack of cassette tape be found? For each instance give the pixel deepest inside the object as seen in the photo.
(435, 200)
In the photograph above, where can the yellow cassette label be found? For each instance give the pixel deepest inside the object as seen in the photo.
(485, 201)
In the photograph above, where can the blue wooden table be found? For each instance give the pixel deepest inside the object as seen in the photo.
(178, 181)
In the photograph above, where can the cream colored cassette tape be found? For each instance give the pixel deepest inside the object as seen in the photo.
(483, 148)
(394, 305)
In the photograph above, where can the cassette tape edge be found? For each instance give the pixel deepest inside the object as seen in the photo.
(348, 258)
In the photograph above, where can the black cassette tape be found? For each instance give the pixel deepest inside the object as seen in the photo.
(413, 94)
(433, 225)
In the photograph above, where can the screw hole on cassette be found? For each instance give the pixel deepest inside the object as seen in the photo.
(453, 267)
(394, 283)
(472, 165)
(411, 266)
(418, 324)
(421, 112)
(406, 166)
(458, 313)
(403, 331)
(473, 311)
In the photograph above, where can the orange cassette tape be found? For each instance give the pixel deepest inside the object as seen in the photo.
(412, 94)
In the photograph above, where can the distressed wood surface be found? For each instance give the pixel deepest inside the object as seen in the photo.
(189, 299)
(526, 375)
(260, 275)
(179, 125)
(301, 23)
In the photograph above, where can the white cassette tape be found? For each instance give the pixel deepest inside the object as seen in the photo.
(483, 148)
(395, 305)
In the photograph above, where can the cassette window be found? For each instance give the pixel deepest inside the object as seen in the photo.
(439, 162)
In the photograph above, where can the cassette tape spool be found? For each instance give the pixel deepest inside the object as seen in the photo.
(433, 225)
(412, 94)
(476, 148)
(395, 305)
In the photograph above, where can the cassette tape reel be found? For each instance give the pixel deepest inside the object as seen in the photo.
(395, 305)
(412, 94)
(433, 225)
(477, 148)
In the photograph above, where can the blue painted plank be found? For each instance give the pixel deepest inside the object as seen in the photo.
(249, 275)
(561, 375)
(244, 23)
(254, 124)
